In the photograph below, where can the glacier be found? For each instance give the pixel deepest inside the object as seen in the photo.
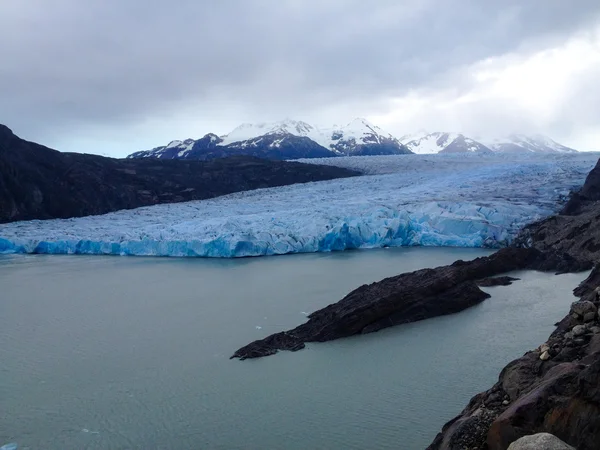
(463, 200)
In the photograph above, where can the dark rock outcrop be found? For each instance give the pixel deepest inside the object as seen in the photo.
(40, 183)
(589, 193)
(407, 298)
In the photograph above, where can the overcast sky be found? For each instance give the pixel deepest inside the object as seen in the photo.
(116, 76)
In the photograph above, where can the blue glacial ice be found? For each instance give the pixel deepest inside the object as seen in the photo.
(433, 200)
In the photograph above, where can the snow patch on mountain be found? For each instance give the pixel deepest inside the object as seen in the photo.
(248, 131)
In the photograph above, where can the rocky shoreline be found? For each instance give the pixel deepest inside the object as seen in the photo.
(553, 389)
(411, 297)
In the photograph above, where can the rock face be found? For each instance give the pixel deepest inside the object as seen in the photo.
(406, 298)
(40, 183)
(539, 441)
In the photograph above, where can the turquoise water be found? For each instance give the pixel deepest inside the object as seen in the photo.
(119, 353)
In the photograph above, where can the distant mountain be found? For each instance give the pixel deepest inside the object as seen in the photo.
(37, 182)
(523, 143)
(443, 142)
(359, 137)
(277, 146)
(288, 139)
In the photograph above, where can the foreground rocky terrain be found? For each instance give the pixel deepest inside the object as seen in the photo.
(40, 183)
(554, 388)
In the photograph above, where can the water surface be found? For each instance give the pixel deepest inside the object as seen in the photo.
(117, 353)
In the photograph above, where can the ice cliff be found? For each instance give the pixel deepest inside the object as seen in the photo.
(436, 200)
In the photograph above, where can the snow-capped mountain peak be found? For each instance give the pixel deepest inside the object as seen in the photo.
(361, 130)
(248, 131)
(357, 137)
(443, 142)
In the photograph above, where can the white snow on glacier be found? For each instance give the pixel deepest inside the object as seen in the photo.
(435, 200)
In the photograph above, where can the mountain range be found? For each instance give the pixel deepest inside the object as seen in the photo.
(442, 142)
(290, 139)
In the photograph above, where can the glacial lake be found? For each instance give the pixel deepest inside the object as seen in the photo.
(133, 353)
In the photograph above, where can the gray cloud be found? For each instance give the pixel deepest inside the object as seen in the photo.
(67, 64)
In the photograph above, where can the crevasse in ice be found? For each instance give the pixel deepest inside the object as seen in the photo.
(437, 200)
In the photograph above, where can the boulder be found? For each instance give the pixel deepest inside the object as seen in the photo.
(579, 330)
(581, 308)
(545, 356)
(540, 441)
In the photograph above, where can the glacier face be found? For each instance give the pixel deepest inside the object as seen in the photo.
(436, 200)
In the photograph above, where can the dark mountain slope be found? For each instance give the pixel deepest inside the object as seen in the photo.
(40, 183)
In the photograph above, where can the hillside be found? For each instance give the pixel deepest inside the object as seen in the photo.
(37, 182)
